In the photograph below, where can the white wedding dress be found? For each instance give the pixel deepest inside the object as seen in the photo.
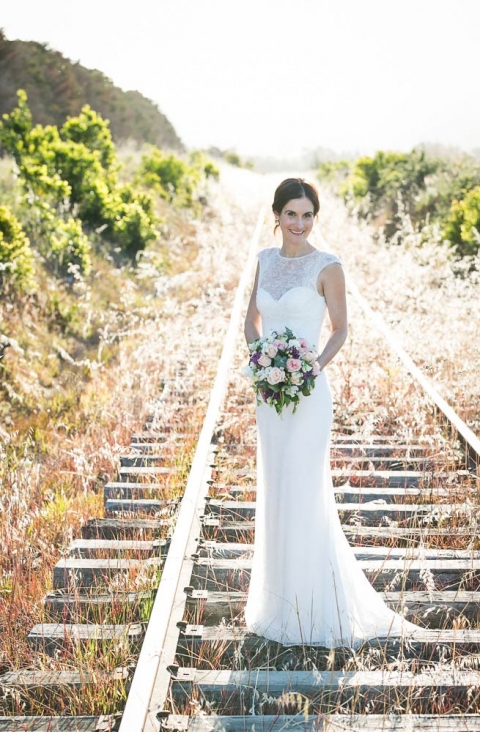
(306, 586)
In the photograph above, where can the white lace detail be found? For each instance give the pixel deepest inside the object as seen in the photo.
(279, 274)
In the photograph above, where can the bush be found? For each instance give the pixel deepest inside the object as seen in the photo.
(168, 175)
(16, 256)
(200, 161)
(74, 170)
(133, 228)
(233, 158)
(387, 174)
(462, 228)
(388, 186)
(333, 171)
(16, 127)
(70, 246)
(90, 130)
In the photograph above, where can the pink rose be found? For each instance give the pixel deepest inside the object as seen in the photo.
(294, 364)
(309, 356)
(304, 346)
(281, 345)
(264, 360)
(271, 350)
(276, 375)
(316, 368)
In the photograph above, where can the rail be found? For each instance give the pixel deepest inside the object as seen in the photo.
(158, 647)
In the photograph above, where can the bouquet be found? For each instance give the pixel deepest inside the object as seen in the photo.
(282, 367)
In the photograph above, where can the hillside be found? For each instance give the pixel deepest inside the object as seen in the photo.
(57, 87)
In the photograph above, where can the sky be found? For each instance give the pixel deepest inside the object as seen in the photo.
(278, 78)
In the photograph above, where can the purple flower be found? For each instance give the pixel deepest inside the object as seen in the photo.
(307, 374)
(254, 358)
(295, 353)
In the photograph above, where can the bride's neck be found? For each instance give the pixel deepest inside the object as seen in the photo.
(295, 250)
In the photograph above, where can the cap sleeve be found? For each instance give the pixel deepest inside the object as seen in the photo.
(327, 259)
(263, 254)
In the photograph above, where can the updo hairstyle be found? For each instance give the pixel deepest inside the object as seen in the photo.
(294, 188)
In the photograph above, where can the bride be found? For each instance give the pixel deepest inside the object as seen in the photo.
(306, 586)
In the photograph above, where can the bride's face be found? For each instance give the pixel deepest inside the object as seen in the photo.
(296, 220)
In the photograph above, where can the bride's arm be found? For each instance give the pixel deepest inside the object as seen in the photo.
(331, 284)
(253, 318)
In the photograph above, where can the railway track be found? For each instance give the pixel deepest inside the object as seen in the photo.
(408, 506)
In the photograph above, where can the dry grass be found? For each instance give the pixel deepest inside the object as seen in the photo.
(156, 358)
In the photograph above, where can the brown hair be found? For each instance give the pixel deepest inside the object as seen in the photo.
(294, 188)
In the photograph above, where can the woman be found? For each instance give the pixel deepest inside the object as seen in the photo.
(306, 585)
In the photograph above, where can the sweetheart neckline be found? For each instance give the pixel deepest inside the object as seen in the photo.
(297, 287)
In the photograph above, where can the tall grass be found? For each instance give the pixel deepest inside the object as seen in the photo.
(60, 443)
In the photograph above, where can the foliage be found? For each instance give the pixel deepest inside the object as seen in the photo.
(16, 256)
(175, 179)
(428, 190)
(388, 174)
(58, 88)
(462, 227)
(201, 161)
(70, 246)
(131, 219)
(332, 170)
(168, 175)
(93, 132)
(452, 181)
(233, 158)
(73, 170)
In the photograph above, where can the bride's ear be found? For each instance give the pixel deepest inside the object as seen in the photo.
(277, 222)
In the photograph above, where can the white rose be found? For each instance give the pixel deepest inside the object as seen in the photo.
(310, 356)
(264, 360)
(271, 350)
(297, 378)
(276, 375)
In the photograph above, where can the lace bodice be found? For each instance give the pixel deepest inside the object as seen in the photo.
(279, 274)
(287, 294)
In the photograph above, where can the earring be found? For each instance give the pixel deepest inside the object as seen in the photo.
(277, 223)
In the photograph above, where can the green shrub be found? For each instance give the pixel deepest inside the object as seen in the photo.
(462, 227)
(133, 228)
(130, 218)
(166, 174)
(233, 158)
(69, 245)
(16, 127)
(388, 173)
(200, 161)
(16, 256)
(175, 179)
(452, 181)
(333, 170)
(389, 185)
(74, 170)
(90, 130)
